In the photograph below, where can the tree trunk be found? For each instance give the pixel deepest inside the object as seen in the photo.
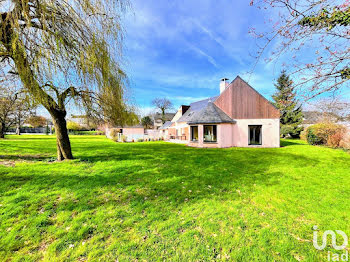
(2, 130)
(163, 115)
(64, 150)
(18, 130)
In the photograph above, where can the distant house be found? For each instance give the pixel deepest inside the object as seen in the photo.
(239, 116)
(164, 129)
(129, 133)
(158, 119)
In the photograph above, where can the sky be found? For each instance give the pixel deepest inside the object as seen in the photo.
(181, 49)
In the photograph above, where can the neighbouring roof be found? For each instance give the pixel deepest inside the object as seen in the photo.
(134, 126)
(167, 116)
(195, 107)
(210, 114)
(166, 125)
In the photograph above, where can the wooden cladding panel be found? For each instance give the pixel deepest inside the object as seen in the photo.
(241, 101)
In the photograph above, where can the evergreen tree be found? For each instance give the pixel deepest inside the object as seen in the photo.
(291, 112)
(146, 122)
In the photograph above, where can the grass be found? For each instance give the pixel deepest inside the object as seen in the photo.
(158, 201)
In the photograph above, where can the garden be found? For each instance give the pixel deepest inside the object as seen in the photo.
(159, 201)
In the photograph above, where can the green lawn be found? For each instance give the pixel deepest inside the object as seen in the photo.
(158, 201)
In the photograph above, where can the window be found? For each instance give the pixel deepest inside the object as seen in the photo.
(194, 133)
(210, 134)
(254, 135)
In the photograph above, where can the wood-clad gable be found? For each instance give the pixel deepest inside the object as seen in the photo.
(241, 101)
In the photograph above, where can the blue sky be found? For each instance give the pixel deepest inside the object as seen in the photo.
(181, 49)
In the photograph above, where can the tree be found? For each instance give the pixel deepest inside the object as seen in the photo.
(14, 107)
(146, 122)
(333, 109)
(163, 105)
(285, 100)
(313, 38)
(22, 110)
(37, 121)
(64, 50)
(7, 108)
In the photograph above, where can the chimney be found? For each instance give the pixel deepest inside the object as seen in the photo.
(223, 84)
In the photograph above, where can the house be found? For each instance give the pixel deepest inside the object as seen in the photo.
(129, 133)
(164, 129)
(238, 117)
(158, 119)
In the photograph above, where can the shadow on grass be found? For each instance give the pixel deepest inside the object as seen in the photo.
(25, 157)
(291, 142)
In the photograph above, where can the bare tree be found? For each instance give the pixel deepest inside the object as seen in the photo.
(37, 121)
(63, 51)
(15, 107)
(163, 105)
(333, 109)
(319, 28)
(22, 110)
(7, 108)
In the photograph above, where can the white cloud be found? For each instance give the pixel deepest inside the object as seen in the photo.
(188, 99)
(209, 58)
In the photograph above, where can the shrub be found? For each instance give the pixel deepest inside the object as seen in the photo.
(114, 133)
(285, 130)
(73, 126)
(335, 139)
(303, 135)
(124, 138)
(291, 130)
(345, 141)
(295, 132)
(325, 133)
(140, 140)
(312, 138)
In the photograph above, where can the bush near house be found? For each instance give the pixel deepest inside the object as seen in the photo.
(345, 142)
(312, 138)
(325, 133)
(114, 134)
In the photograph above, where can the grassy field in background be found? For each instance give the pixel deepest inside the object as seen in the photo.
(158, 201)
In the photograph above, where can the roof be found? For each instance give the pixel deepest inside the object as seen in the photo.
(210, 114)
(166, 125)
(127, 126)
(167, 116)
(196, 107)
